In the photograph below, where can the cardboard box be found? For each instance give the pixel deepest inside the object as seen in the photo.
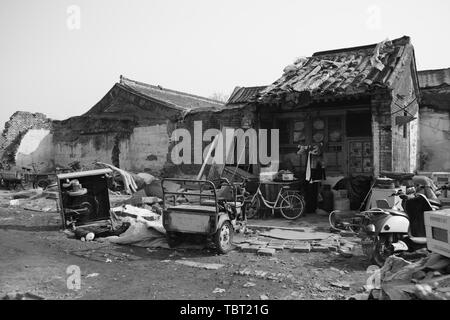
(437, 227)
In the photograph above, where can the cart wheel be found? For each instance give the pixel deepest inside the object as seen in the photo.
(251, 208)
(172, 239)
(43, 184)
(18, 186)
(224, 237)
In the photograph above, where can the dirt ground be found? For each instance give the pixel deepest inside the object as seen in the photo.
(36, 253)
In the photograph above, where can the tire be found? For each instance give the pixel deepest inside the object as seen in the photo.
(381, 249)
(252, 209)
(224, 237)
(292, 206)
(43, 184)
(172, 239)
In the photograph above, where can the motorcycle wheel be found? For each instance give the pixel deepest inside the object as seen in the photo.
(382, 248)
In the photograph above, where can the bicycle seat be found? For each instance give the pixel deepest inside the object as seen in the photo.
(285, 187)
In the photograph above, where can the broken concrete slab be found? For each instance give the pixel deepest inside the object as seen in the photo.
(276, 247)
(305, 247)
(242, 246)
(266, 252)
(258, 243)
(207, 266)
(319, 248)
(295, 235)
(251, 248)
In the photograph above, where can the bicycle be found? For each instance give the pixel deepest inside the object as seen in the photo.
(290, 203)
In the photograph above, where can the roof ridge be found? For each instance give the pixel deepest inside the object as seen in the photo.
(430, 70)
(158, 87)
(364, 47)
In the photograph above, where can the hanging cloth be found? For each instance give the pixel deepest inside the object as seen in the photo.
(308, 167)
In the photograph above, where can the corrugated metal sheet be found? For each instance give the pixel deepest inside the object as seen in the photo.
(343, 71)
(434, 78)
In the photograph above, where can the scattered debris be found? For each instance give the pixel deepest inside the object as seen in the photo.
(22, 296)
(207, 266)
(342, 285)
(218, 290)
(263, 297)
(249, 285)
(92, 275)
(266, 252)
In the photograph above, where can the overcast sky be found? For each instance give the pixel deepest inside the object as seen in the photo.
(55, 63)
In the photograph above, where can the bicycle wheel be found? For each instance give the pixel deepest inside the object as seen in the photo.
(292, 206)
(252, 208)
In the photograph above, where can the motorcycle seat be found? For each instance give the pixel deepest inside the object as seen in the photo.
(397, 213)
(418, 240)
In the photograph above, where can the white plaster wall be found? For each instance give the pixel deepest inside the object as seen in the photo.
(134, 152)
(36, 148)
(148, 141)
(434, 128)
(97, 148)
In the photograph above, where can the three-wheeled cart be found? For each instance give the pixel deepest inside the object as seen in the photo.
(201, 208)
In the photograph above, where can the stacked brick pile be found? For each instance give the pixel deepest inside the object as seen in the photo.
(17, 126)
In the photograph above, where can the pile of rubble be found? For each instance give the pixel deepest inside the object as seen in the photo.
(296, 241)
(425, 279)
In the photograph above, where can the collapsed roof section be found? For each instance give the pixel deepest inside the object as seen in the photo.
(342, 72)
(435, 88)
(434, 78)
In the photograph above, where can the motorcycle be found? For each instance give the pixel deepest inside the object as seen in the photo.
(390, 231)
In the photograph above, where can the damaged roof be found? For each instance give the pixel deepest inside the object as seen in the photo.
(343, 72)
(177, 99)
(434, 78)
(244, 94)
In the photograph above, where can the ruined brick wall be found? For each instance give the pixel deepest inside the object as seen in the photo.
(381, 133)
(16, 128)
(434, 139)
(396, 146)
(404, 137)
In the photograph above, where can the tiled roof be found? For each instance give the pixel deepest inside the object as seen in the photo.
(343, 72)
(434, 78)
(244, 94)
(181, 100)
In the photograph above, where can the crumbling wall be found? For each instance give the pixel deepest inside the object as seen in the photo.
(404, 137)
(16, 128)
(36, 150)
(381, 133)
(434, 128)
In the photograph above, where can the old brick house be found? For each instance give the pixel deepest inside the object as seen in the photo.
(360, 103)
(434, 125)
(129, 127)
